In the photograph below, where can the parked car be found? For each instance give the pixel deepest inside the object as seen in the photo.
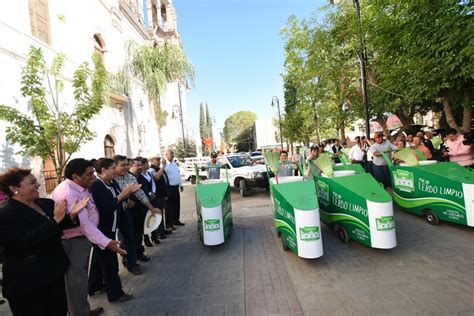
(188, 168)
(243, 174)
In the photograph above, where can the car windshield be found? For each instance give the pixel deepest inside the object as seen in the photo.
(238, 161)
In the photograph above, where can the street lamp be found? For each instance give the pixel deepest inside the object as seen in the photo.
(363, 62)
(276, 102)
(179, 109)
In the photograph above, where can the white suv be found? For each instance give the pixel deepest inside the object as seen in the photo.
(242, 174)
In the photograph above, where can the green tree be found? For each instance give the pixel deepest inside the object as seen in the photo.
(155, 66)
(423, 54)
(238, 129)
(209, 123)
(320, 80)
(182, 152)
(202, 123)
(49, 131)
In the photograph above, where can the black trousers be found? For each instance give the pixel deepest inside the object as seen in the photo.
(125, 226)
(382, 175)
(159, 202)
(104, 271)
(138, 218)
(49, 300)
(362, 163)
(173, 206)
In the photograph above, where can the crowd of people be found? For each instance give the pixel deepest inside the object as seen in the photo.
(369, 153)
(58, 251)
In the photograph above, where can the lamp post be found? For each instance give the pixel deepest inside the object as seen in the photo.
(276, 102)
(363, 62)
(180, 110)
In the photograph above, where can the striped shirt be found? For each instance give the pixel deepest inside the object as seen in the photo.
(128, 179)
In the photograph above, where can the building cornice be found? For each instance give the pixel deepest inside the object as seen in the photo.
(131, 17)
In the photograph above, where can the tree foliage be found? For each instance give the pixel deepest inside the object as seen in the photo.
(209, 123)
(420, 58)
(238, 129)
(182, 151)
(202, 123)
(50, 130)
(155, 66)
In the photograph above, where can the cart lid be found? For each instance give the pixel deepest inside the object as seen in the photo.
(365, 186)
(300, 195)
(450, 170)
(211, 194)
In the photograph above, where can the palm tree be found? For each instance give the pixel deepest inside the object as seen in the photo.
(155, 66)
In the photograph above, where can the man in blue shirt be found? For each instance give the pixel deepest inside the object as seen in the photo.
(213, 167)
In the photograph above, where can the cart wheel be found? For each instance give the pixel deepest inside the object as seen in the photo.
(193, 180)
(343, 235)
(243, 188)
(283, 243)
(431, 217)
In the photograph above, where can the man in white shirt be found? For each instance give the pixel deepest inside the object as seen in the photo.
(356, 154)
(175, 186)
(380, 169)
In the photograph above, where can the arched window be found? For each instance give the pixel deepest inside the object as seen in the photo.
(164, 16)
(109, 146)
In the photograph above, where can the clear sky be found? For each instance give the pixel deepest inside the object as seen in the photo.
(237, 52)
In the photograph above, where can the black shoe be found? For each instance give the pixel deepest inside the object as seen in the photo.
(98, 291)
(156, 241)
(162, 236)
(123, 298)
(135, 270)
(147, 241)
(2, 301)
(168, 232)
(97, 311)
(178, 223)
(143, 258)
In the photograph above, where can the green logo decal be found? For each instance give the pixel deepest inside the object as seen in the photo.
(309, 233)
(212, 225)
(404, 180)
(385, 223)
(323, 192)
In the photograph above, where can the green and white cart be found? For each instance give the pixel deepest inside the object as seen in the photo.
(439, 191)
(354, 205)
(214, 211)
(295, 213)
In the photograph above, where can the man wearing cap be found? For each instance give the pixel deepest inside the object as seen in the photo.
(213, 167)
(380, 169)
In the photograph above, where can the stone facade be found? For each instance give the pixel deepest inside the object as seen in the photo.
(126, 124)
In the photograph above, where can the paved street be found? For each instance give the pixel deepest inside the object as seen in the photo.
(430, 272)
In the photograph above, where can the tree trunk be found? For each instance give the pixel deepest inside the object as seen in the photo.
(405, 117)
(467, 113)
(342, 129)
(382, 120)
(448, 111)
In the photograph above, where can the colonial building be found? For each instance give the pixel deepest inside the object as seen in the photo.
(126, 124)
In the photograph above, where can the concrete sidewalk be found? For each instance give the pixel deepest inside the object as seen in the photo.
(429, 273)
